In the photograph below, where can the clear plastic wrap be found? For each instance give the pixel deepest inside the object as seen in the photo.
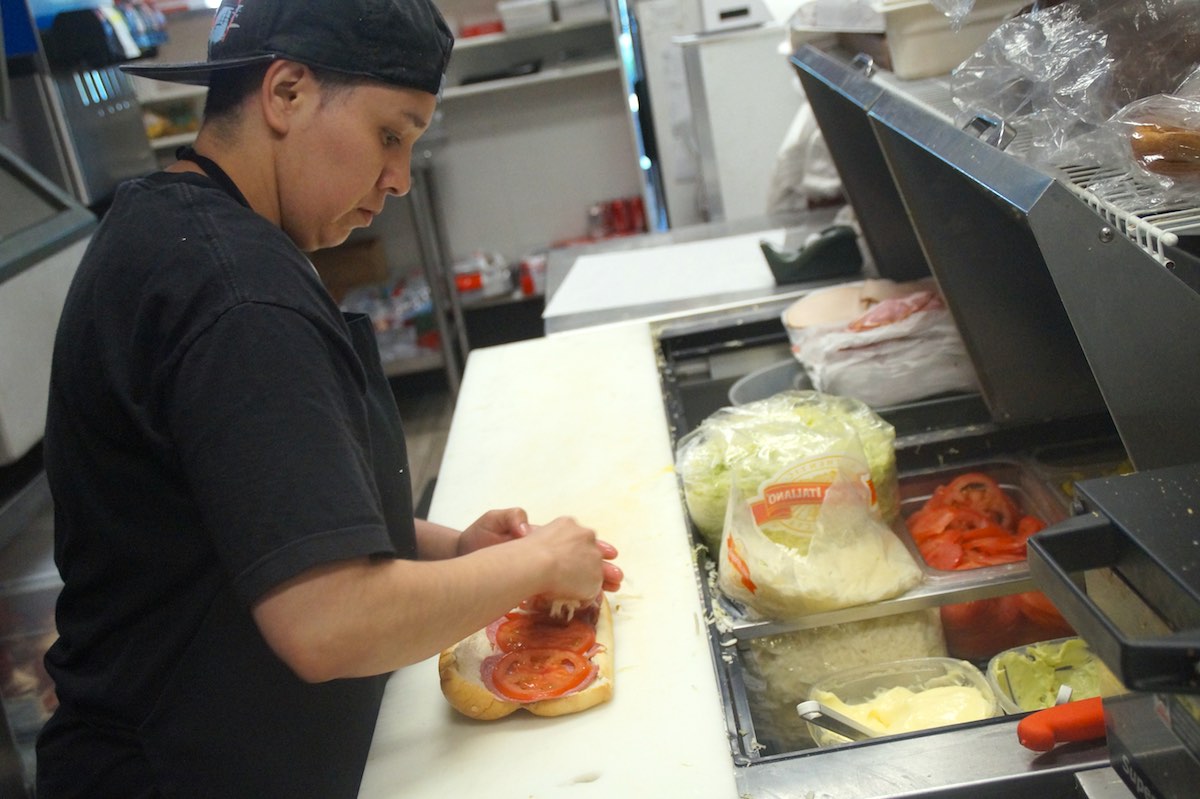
(747, 444)
(811, 539)
(955, 10)
(1157, 140)
(1061, 73)
(902, 349)
(1164, 135)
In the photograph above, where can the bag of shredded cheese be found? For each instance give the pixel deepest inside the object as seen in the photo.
(810, 535)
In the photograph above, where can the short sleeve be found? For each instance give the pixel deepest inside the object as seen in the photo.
(267, 410)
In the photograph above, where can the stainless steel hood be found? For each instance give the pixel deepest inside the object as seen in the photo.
(1068, 307)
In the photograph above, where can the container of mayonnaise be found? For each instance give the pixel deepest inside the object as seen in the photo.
(905, 696)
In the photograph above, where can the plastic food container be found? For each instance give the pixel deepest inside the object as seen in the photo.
(580, 10)
(976, 630)
(1023, 483)
(1029, 677)
(1064, 465)
(922, 40)
(768, 381)
(905, 696)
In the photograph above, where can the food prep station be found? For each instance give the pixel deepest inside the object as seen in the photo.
(1074, 315)
(1026, 263)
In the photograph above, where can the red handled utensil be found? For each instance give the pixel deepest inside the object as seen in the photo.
(1072, 721)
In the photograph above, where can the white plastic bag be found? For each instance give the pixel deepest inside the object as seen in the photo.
(811, 538)
(903, 349)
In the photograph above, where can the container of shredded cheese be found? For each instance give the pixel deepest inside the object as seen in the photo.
(905, 696)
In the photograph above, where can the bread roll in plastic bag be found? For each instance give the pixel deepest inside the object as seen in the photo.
(1059, 73)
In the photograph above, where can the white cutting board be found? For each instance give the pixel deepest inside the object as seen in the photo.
(573, 425)
(666, 273)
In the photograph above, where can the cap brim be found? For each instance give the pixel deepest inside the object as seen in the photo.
(196, 73)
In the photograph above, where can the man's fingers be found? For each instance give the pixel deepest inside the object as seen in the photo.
(612, 576)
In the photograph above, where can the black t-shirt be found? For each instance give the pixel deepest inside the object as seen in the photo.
(215, 427)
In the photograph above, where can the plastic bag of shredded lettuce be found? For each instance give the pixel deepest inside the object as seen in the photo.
(810, 539)
(746, 444)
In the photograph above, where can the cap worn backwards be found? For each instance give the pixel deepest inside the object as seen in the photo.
(400, 42)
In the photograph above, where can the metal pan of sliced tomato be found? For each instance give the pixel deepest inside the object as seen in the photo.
(977, 516)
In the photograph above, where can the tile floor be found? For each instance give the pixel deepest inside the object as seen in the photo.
(426, 408)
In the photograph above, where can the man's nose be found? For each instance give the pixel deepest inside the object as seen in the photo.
(396, 178)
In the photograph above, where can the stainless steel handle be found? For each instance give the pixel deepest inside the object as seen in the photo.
(991, 130)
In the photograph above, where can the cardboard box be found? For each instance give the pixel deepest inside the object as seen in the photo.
(580, 10)
(520, 15)
(350, 265)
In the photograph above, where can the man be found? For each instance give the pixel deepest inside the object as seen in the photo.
(233, 516)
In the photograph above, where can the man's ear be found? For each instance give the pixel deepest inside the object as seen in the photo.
(286, 89)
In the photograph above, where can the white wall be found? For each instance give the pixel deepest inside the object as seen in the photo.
(727, 137)
(521, 167)
(744, 95)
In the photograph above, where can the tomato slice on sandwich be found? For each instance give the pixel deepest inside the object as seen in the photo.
(528, 675)
(536, 631)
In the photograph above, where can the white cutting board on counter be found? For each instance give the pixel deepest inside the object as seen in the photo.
(572, 424)
(665, 273)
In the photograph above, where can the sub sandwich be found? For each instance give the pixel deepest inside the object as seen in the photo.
(535, 658)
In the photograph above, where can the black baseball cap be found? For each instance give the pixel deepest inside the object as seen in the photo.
(401, 42)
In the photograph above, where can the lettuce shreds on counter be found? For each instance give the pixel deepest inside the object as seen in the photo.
(780, 669)
(753, 442)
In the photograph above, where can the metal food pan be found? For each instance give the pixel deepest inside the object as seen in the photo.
(1030, 488)
(1063, 465)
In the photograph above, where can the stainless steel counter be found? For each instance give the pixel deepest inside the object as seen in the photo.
(981, 761)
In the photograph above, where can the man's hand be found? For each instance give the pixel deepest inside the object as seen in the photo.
(577, 552)
(493, 527)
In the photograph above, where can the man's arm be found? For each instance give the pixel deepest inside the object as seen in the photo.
(370, 616)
